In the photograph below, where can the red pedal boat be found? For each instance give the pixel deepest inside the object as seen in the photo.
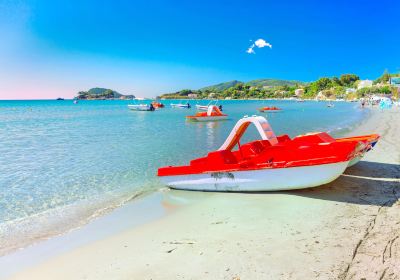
(157, 105)
(269, 109)
(213, 114)
(270, 164)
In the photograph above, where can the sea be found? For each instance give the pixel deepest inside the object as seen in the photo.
(64, 164)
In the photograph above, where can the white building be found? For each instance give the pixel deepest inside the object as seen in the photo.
(192, 95)
(364, 84)
(299, 92)
(350, 90)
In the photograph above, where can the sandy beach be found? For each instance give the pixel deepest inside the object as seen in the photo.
(348, 229)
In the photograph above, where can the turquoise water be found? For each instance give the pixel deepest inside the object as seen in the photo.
(58, 157)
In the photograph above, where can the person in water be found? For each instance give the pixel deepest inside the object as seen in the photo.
(188, 105)
(151, 107)
(220, 107)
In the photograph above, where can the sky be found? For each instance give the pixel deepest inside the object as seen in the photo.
(51, 49)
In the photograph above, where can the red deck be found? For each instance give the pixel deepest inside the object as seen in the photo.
(305, 150)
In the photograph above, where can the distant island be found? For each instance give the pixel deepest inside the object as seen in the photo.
(347, 86)
(102, 94)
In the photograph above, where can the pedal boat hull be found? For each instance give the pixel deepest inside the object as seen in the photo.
(279, 179)
(213, 114)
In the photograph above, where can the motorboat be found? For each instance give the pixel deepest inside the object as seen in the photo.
(205, 107)
(181, 105)
(141, 107)
(272, 163)
(213, 114)
(269, 109)
(201, 107)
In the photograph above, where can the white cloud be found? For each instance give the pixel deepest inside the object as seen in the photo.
(260, 43)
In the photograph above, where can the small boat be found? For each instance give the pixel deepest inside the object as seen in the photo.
(269, 109)
(273, 163)
(330, 105)
(201, 107)
(181, 105)
(141, 107)
(76, 101)
(157, 105)
(205, 107)
(213, 114)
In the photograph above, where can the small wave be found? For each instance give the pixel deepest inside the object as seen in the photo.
(345, 128)
(23, 232)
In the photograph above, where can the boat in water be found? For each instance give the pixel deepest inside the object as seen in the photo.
(330, 105)
(205, 107)
(273, 163)
(269, 109)
(141, 107)
(213, 114)
(181, 105)
(157, 105)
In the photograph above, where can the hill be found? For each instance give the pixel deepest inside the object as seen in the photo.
(237, 89)
(221, 86)
(255, 83)
(102, 93)
(323, 88)
(273, 83)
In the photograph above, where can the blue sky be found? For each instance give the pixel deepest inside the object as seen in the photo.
(56, 48)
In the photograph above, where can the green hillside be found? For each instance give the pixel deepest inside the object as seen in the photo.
(254, 83)
(324, 88)
(273, 83)
(221, 86)
(102, 93)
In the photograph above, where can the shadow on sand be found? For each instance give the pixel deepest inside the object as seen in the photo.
(367, 183)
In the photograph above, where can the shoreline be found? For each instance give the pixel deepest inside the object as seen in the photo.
(206, 99)
(98, 228)
(48, 224)
(226, 241)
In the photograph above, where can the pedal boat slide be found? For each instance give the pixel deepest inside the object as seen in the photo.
(213, 114)
(273, 163)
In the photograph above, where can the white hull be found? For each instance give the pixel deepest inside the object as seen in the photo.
(355, 160)
(139, 107)
(210, 119)
(202, 107)
(179, 106)
(277, 179)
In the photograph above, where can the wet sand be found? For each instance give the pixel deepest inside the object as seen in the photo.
(348, 229)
